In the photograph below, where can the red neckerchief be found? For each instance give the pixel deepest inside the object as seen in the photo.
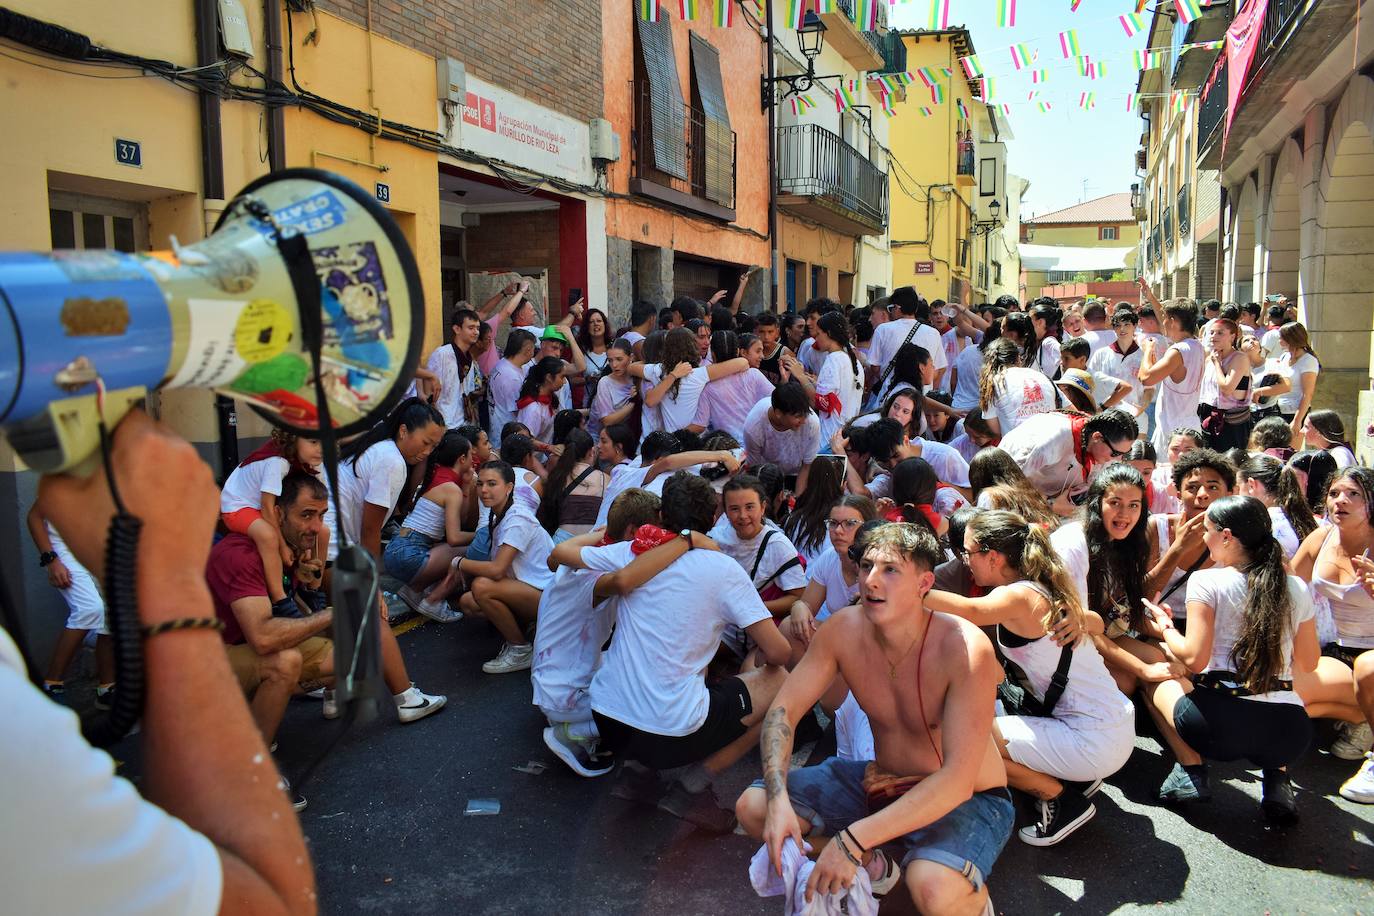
(648, 537)
(1080, 448)
(442, 476)
(527, 400)
(828, 403)
(1116, 345)
(271, 449)
(896, 514)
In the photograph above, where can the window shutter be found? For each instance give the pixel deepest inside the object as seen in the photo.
(719, 139)
(668, 129)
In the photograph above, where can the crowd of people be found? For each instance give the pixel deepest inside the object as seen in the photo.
(980, 542)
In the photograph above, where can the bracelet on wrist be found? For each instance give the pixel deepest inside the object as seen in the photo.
(182, 623)
(839, 841)
(855, 840)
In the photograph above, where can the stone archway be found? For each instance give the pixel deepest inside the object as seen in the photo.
(1241, 287)
(1340, 306)
(1283, 226)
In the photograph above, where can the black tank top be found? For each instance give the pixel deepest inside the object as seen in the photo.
(771, 366)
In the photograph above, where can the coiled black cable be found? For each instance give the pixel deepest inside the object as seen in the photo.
(121, 612)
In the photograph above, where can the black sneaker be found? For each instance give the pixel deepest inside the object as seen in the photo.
(1185, 784)
(1087, 789)
(1277, 802)
(700, 808)
(638, 784)
(1059, 817)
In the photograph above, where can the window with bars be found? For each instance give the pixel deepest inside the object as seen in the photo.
(86, 221)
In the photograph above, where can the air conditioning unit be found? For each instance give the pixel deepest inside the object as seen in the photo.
(604, 142)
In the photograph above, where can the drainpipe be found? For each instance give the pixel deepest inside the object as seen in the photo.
(772, 166)
(1218, 274)
(276, 116)
(212, 189)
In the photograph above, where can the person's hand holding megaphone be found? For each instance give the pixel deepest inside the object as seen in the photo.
(163, 482)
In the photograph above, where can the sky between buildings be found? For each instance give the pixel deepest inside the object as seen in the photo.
(1068, 154)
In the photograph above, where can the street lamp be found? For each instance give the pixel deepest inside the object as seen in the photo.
(985, 228)
(810, 40)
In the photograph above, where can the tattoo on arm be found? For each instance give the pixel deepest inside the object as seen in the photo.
(776, 747)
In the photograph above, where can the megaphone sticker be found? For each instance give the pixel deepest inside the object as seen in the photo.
(318, 213)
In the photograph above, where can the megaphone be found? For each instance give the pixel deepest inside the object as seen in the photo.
(86, 334)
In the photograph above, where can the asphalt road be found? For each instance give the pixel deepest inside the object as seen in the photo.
(388, 832)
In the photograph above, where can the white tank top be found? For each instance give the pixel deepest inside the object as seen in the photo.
(1351, 607)
(427, 518)
(1091, 698)
(1177, 405)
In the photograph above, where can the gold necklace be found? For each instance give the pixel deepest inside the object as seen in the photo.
(892, 667)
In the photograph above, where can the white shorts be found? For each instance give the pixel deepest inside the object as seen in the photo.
(85, 606)
(1066, 750)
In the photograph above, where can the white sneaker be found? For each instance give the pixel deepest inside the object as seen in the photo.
(1354, 741)
(415, 705)
(438, 611)
(1360, 787)
(331, 705)
(511, 659)
(577, 754)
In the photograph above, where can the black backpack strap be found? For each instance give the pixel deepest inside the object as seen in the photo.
(567, 491)
(795, 561)
(758, 557)
(1059, 681)
(892, 363)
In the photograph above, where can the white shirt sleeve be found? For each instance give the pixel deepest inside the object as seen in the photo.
(385, 482)
(77, 838)
(272, 474)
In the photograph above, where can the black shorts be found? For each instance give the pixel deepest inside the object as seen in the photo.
(1223, 727)
(1342, 653)
(729, 705)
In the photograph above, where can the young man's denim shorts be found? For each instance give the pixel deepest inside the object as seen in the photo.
(830, 796)
(406, 555)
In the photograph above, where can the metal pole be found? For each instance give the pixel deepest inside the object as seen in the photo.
(772, 166)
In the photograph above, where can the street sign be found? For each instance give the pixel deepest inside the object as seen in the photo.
(129, 152)
(925, 267)
(384, 192)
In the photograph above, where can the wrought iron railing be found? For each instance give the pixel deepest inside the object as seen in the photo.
(813, 162)
(1167, 222)
(966, 158)
(1277, 18)
(894, 53)
(1212, 108)
(1184, 217)
(703, 150)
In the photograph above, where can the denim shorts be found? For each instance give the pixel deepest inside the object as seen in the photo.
(830, 796)
(406, 555)
(480, 548)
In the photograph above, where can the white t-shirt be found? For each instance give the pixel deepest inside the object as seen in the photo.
(1109, 361)
(444, 364)
(377, 478)
(667, 632)
(521, 530)
(1163, 501)
(504, 390)
(1225, 591)
(633, 337)
(623, 477)
(1044, 447)
(828, 571)
(1294, 371)
(247, 483)
(1070, 542)
(1097, 339)
(1021, 394)
(726, 402)
(1049, 360)
(573, 626)
(948, 464)
(538, 419)
(79, 839)
(969, 367)
(889, 337)
(1271, 344)
(809, 356)
(1344, 457)
(837, 377)
(790, 450)
(1283, 532)
(953, 344)
(779, 551)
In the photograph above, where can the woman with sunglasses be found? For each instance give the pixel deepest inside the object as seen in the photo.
(1077, 726)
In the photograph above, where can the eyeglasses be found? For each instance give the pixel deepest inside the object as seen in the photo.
(847, 524)
(1115, 453)
(963, 553)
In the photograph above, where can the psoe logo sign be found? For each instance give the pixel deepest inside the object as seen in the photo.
(480, 112)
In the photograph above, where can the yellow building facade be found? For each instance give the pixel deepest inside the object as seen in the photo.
(936, 199)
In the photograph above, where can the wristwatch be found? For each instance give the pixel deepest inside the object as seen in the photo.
(47, 557)
(686, 534)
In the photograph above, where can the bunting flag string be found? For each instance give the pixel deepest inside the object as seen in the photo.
(937, 94)
(724, 14)
(823, 6)
(1068, 43)
(687, 10)
(845, 94)
(1040, 76)
(1022, 56)
(963, 111)
(1044, 107)
(796, 13)
(1006, 13)
(1131, 23)
(927, 112)
(648, 9)
(1075, 4)
(1086, 101)
(800, 104)
(1084, 65)
(1187, 10)
(866, 15)
(1130, 101)
(938, 21)
(885, 102)
(971, 66)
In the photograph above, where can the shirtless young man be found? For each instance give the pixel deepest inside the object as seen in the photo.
(952, 823)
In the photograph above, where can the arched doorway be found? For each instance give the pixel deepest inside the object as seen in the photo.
(1284, 226)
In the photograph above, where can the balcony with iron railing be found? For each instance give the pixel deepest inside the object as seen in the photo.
(1212, 107)
(1184, 213)
(1156, 246)
(698, 167)
(1294, 39)
(844, 35)
(1167, 224)
(894, 53)
(825, 180)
